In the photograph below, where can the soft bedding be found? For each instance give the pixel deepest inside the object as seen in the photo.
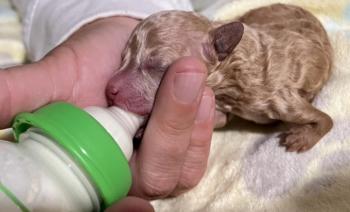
(11, 47)
(249, 171)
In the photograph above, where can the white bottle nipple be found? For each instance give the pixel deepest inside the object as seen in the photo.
(120, 124)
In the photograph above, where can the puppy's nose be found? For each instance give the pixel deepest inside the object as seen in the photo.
(111, 93)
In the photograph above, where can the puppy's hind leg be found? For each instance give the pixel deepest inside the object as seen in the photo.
(311, 124)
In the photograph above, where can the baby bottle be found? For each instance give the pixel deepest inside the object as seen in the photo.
(67, 159)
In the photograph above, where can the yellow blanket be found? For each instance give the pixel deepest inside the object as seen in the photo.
(11, 47)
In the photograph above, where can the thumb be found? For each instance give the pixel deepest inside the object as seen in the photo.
(158, 163)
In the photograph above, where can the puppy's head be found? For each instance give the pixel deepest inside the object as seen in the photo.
(156, 43)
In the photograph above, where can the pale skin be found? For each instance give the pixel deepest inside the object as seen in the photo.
(173, 154)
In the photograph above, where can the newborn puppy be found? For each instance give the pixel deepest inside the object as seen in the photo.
(264, 66)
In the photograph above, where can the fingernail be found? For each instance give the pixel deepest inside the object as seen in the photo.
(205, 109)
(187, 86)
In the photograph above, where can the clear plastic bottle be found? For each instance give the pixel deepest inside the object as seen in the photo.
(67, 159)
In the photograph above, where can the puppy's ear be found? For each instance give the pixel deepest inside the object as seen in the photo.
(226, 37)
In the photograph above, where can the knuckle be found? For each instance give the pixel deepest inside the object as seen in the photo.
(194, 168)
(157, 187)
(191, 178)
(174, 127)
(174, 141)
(187, 182)
(190, 183)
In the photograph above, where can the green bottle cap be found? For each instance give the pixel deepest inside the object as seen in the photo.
(87, 142)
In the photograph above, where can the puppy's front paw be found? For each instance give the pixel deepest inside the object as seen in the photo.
(300, 138)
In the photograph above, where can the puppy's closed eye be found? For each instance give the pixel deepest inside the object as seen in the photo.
(153, 64)
(257, 65)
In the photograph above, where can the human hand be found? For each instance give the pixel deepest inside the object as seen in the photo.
(174, 151)
(77, 71)
(131, 204)
(173, 154)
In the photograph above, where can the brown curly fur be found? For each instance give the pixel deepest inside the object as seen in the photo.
(264, 66)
